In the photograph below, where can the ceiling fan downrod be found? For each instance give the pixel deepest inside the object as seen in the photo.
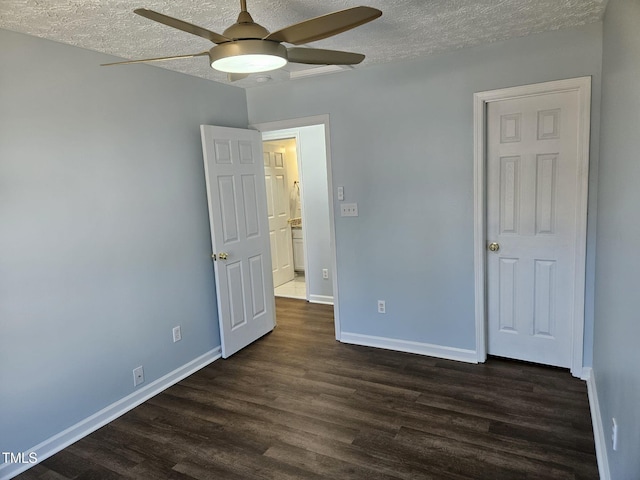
(244, 16)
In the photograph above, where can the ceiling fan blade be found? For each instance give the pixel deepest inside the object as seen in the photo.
(325, 25)
(181, 25)
(318, 56)
(234, 77)
(158, 59)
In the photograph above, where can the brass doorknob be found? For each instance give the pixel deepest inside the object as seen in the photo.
(223, 256)
(494, 247)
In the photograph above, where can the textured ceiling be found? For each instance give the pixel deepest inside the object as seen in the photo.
(407, 28)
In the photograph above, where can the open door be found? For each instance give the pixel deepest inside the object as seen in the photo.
(237, 200)
(278, 213)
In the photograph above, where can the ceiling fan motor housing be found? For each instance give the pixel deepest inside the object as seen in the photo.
(245, 28)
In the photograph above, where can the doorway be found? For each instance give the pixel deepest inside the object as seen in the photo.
(284, 209)
(531, 171)
(312, 230)
(313, 151)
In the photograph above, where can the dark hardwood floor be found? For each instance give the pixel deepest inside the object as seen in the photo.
(299, 405)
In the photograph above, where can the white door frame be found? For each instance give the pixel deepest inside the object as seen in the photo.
(581, 85)
(307, 122)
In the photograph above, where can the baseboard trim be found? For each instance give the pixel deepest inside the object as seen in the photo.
(439, 351)
(586, 374)
(323, 299)
(90, 424)
(598, 427)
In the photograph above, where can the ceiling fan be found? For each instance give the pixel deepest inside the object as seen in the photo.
(247, 47)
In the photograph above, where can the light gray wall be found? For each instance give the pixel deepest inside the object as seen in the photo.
(616, 359)
(316, 209)
(104, 236)
(402, 146)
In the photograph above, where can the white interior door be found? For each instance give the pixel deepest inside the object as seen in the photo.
(532, 198)
(278, 213)
(234, 175)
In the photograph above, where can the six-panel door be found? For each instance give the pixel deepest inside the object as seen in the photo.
(239, 234)
(532, 177)
(278, 213)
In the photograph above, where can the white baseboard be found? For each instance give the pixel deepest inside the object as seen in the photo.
(598, 427)
(586, 374)
(449, 353)
(324, 299)
(90, 424)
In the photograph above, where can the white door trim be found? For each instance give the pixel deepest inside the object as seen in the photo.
(306, 122)
(480, 100)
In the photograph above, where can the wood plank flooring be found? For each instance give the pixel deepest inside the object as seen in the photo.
(296, 404)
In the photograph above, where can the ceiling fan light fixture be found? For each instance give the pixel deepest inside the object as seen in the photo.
(248, 56)
(251, 63)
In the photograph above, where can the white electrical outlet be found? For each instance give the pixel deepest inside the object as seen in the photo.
(138, 376)
(325, 273)
(341, 193)
(382, 307)
(614, 434)
(177, 335)
(348, 209)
